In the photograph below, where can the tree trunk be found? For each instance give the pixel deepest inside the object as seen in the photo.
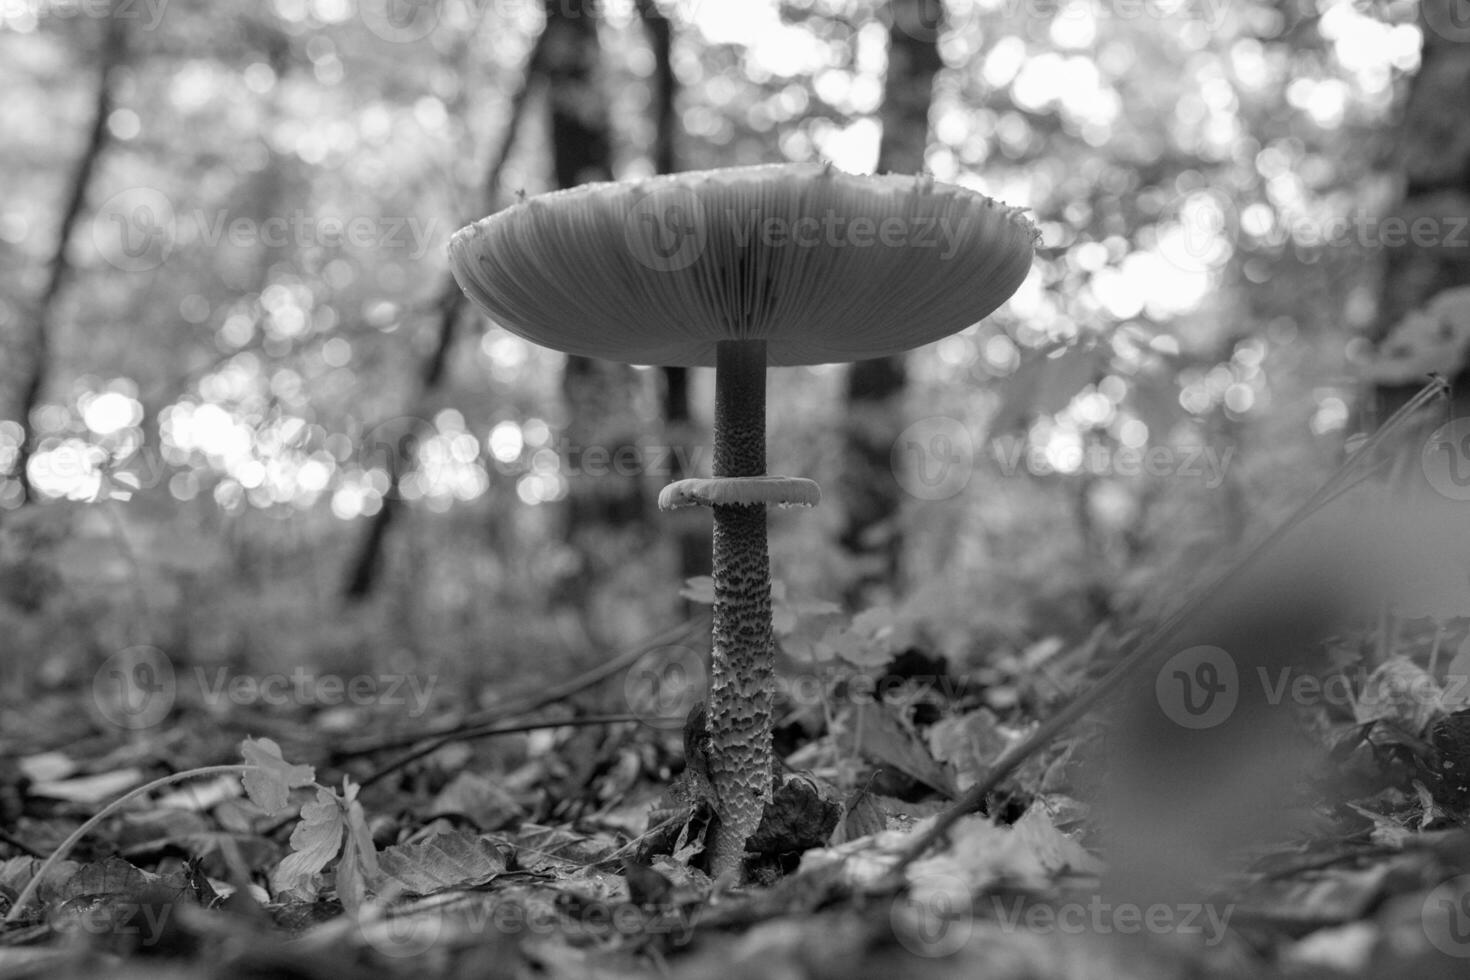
(366, 568)
(875, 388)
(114, 49)
(598, 394)
(690, 528)
(1433, 152)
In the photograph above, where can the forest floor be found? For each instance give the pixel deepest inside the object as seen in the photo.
(520, 844)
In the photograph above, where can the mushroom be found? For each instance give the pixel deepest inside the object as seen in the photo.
(742, 269)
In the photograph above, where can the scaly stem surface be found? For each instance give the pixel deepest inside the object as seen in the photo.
(739, 712)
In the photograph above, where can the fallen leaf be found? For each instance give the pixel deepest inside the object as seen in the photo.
(882, 736)
(454, 860)
(90, 789)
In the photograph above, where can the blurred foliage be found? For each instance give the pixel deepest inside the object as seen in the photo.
(251, 291)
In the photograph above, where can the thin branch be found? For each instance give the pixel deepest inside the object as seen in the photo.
(113, 52)
(449, 305)
(1355, 469)
(59, 855)
(509, 709)
(485, 731)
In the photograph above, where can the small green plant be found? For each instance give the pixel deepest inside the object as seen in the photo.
(331, 828)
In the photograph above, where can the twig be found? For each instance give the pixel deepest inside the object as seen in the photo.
(61, 852)
(1346, 476)
(486, 731)
(129, 555)
(500, 712)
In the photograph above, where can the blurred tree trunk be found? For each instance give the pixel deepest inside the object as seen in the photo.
(599, 395)
(875, 388)
(260, 196)
(690, 526)
(1433, 154)
(113, 52)
(449, 304)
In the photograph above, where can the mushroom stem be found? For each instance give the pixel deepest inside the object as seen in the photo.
(741, 683)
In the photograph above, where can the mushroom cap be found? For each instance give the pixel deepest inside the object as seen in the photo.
(822, 265)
